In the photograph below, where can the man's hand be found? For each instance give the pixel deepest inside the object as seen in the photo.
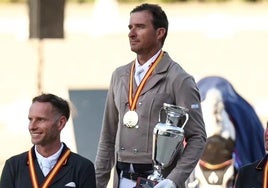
(166, 183)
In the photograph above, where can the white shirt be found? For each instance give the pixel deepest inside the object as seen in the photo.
(145, 67)
(47, 163)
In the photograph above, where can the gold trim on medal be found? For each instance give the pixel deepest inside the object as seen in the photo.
(130, 119)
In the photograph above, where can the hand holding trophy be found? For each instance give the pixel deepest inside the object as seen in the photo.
(168, 137)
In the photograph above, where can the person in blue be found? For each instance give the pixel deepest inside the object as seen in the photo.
(254, 174)
(49, 163)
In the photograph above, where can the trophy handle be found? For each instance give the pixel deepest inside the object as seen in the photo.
(163, 112)
(186, 120)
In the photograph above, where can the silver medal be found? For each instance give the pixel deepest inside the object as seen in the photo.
(130, 119)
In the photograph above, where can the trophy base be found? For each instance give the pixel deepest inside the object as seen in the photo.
(145, 183)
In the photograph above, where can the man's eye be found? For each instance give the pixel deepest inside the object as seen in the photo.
(41, 120)
(141, 26)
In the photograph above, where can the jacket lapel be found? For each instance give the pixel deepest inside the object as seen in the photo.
(262, 163)
(41, 178)
(261, 168)
(157, 75)
(64, 169)
(39, 174)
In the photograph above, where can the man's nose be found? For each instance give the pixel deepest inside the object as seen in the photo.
(132, 33)
(32, 125)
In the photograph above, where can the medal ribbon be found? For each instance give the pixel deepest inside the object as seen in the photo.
(133, 101)
(265, 176)
(52, 173)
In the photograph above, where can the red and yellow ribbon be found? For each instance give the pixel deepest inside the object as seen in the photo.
(51, 175)
(265, 176)
(133, 100)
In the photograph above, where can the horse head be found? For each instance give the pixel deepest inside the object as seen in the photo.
(216, 119)
(229, 121)
(215, 167)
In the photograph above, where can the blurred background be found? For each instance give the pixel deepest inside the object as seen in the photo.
(70, 48)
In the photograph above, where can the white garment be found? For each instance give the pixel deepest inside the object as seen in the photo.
(47, 163)
(46, 166)
(127, 183)
(166, 183)
(140, 74)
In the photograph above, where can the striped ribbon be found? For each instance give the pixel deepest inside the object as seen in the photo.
(133, 101)
(265, 176)
(53, 172)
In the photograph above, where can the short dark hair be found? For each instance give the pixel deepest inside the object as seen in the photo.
(61, 105)
(159, 16)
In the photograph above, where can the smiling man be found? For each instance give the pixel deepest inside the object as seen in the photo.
(49, 163)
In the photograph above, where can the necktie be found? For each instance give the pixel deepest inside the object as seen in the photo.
(46, 167)
(139, 75)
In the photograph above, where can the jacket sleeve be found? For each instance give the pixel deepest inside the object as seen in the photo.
(187, 95)
(105, 154)
(7, 177)
(87, 176)
(238, 181)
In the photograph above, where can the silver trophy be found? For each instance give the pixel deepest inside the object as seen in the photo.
(168, 137)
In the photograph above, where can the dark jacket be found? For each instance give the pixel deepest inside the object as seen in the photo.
(251, 175)
(77, 171)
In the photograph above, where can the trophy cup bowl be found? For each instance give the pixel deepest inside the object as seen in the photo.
(168, 137)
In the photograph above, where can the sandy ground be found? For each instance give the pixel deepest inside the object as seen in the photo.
(226, 39)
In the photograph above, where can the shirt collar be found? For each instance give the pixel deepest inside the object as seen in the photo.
(147, 64)
(51, 159)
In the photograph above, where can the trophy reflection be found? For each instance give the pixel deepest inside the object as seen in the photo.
(168, 137)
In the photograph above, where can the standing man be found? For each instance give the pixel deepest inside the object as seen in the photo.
(49, 163)
(254, 174)
(133, 104)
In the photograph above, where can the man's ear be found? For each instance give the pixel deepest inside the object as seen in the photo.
(161, 32)
(62, 122)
